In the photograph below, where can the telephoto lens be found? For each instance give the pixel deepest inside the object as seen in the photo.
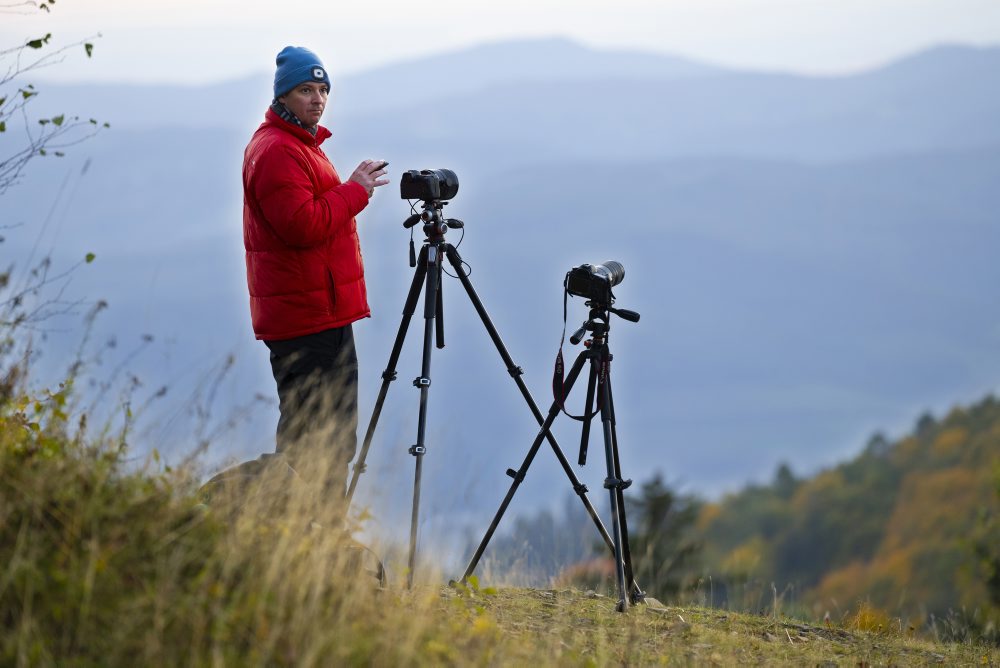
(613, 272)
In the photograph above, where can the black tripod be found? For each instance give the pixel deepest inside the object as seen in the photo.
(428, 269)
(597, 352)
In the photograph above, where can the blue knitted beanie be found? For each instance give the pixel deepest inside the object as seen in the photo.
(295, 65)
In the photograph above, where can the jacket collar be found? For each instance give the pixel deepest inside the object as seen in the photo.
(322, 134)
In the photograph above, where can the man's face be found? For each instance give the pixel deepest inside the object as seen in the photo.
(307, 101)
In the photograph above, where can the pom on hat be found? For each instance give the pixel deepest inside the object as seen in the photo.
(295, 65)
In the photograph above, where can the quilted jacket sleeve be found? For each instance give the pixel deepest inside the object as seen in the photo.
(300, 215)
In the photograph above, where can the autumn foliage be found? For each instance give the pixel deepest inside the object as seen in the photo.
(906, 530)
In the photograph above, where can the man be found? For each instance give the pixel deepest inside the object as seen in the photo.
(304, 271)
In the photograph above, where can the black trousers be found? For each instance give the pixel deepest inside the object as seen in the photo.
(317, 379)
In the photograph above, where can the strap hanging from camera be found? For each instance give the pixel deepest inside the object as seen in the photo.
(559, 374)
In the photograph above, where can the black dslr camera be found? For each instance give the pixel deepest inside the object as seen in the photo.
(594, 281)
(428, 184)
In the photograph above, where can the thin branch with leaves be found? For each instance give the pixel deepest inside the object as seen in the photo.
(42, 136)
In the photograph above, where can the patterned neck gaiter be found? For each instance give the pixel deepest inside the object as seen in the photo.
(286, 115)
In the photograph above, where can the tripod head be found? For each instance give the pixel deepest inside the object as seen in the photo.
(599, 321)
(435, 224)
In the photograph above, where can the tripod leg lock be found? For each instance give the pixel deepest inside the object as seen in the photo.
(389, 375)
(417, 450)
(580, 489)
(515, 371)
(616, 483)
(421, 382)
(516, 475)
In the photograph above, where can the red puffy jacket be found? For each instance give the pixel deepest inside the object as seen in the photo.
(304, 267)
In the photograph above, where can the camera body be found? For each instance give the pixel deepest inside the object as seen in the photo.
(428, 184)
(594, 281)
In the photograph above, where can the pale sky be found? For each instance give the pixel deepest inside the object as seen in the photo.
(203, 41)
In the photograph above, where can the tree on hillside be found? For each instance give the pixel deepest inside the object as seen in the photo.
(561, 548)
(539, 546)
(986, 547)
(878, 445)
(784, 483)
(660, 527)
(892, 527)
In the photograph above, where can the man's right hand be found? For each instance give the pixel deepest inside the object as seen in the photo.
(368, 175)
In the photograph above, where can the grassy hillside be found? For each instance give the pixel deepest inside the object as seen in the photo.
(574, 628)
(103, 563)
(904, 526)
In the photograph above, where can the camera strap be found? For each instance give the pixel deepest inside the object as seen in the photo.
(558, 375)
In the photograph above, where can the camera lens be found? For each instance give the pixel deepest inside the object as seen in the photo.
(447, 182)
(613, 272)
(428, 184)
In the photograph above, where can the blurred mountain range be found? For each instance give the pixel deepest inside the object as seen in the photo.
(813, 257)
